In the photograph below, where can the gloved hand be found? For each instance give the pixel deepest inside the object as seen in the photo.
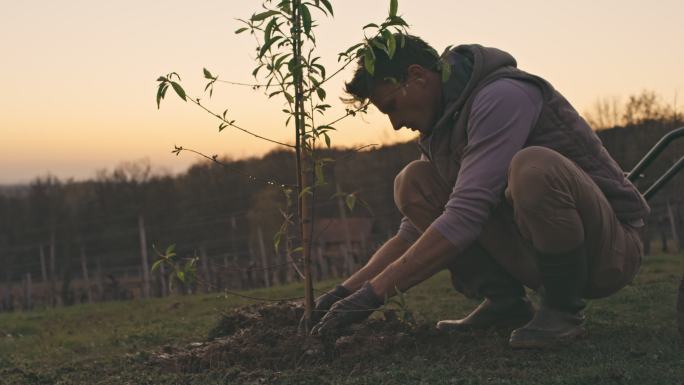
(355, 308)
(323, 304)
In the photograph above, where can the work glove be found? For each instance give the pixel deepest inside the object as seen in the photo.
(323, 304)
(355, 308)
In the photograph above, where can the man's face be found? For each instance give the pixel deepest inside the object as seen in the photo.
(414, 104)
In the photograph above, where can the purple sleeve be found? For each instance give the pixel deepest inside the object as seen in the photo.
(501, 118)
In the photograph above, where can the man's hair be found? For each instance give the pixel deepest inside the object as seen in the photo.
(413, 51)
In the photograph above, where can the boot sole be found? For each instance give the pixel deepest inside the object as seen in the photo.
(467, 327)
(550, 342)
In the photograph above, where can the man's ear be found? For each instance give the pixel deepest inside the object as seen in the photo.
(417, 73)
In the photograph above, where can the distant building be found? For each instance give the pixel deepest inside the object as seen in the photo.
(341, 245)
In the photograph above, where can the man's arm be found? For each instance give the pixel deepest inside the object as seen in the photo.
(394, 248)
(500, 121)
(501, 118)
(421, 261)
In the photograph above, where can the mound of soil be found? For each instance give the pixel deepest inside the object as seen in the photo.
(266, 337)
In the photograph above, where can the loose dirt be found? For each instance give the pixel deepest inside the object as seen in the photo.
(266, 337)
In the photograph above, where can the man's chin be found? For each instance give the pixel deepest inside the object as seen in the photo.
(422, 131)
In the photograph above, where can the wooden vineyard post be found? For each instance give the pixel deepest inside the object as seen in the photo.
(84, 273)
(264, 259)
(680, 308)
(143, 256)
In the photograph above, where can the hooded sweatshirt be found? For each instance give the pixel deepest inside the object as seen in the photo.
(493, 110)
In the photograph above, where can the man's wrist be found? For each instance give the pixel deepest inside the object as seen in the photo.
(340, 291)
(370, 293)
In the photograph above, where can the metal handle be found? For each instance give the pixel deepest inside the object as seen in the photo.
(654, 152)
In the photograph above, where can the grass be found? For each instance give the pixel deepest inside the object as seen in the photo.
(633, 340)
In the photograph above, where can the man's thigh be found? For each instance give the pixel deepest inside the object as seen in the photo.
(565, 204)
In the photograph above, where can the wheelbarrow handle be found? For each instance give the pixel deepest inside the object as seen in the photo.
(654, 152)
(672, 171)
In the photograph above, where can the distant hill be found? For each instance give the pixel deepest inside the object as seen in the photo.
(14, 190)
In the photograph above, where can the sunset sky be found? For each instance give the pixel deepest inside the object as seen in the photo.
(78, 77)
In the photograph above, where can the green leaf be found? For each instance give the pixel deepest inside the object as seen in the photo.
(306, 19)
(263, 15)
(280, 60)
(276, 240)
(207, 74)
(180, 275)
(321, 69)
(394, 6)
(320, 176)
(240, 30)
(350, 200)
(179, 90)
(321, 93)
(161, 91)
(369, 61)
(269, 30)
(371, 25)
(380, 45)
(327, 139)
(171, 249)
(256, 70)
(307, 190)
(391, 44)
(328, 6)
(285, 6)
(156, 264)
(446, 71)
(268, 45)
(355, 46)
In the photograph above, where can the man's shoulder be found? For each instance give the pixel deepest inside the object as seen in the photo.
(509, 89)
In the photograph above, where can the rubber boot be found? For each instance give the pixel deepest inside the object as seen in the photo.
(503, 312)
(559, 320)
(477, 275)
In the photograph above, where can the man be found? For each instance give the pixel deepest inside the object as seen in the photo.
(513, 189)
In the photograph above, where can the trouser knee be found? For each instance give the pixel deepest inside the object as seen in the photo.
(419, 193)
(542, 187)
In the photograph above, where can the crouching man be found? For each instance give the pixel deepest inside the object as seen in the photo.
(513, 190)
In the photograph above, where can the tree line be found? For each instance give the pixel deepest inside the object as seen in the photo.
(57, 231)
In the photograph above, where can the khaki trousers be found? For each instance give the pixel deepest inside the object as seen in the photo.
(550, 206)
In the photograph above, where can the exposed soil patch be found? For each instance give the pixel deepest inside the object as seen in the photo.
(266, 337)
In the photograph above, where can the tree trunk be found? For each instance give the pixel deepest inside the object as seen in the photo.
(302, 162)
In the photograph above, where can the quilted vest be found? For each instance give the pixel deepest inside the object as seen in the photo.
(559, 127)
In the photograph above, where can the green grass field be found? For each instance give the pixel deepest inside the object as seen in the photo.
(633, 340)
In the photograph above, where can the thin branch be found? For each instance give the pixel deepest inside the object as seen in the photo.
(314, 88)
(214, 159)
(239, 84)
(196, 101)
(349, 113)
(225, 291)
